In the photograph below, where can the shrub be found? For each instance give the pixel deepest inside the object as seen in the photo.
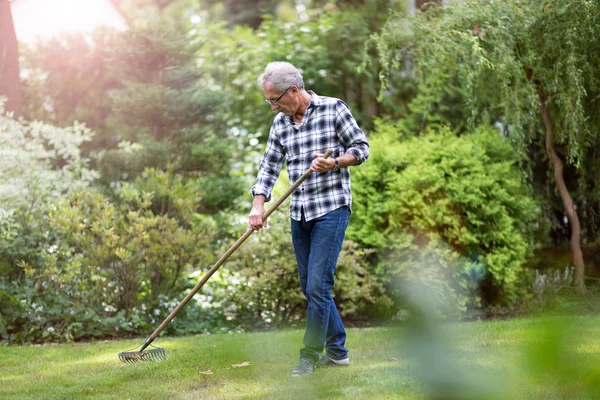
(96, 267)
(40, 162)
(454, 212)
(125, 251)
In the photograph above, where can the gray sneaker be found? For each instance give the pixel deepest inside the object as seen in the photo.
(326, 361)
(304, 367)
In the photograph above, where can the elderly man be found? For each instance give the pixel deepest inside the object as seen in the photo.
(306, 126)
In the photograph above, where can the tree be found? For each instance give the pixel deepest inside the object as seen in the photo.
(10, 86)
(143, 94)
(165, 106)
(329, 47)
(423, 4)
(68, 80)
(250, 13)
(530, 65)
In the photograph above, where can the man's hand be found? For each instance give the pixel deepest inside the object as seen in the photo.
(321, 164)
(255, 220)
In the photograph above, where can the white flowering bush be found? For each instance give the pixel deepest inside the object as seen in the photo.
(40, 162)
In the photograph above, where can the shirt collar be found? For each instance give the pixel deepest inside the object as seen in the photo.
(315, 99)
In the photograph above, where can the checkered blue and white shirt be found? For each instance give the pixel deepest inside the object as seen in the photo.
(327, 124)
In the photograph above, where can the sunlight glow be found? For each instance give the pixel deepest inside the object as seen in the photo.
(42, 19)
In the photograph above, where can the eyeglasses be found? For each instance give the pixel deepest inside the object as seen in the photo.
(276, 101)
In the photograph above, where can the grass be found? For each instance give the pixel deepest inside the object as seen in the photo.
(532, 358)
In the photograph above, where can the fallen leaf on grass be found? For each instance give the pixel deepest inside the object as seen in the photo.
(207, 372)
(244, 364)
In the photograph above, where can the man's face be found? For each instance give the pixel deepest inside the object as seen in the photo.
(284, 102)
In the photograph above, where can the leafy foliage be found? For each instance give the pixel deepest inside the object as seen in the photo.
(250, 13)
(328, 46)
(478, 62)
(126, 251)
(103, 264)
(40, 162)
(148, 102)
(453, 212)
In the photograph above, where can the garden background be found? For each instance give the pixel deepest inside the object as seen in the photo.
(127, 156)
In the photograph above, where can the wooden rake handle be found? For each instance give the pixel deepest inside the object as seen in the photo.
(225, 256)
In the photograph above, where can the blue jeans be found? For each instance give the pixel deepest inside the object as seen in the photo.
(317, 245)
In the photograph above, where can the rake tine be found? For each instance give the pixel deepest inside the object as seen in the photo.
(136, 357)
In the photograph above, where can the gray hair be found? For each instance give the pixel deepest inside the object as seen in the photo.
(282, 75)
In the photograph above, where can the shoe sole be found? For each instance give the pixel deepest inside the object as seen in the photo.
(335, 363)
(299, 375)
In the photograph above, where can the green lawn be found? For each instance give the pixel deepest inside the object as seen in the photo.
(534, 358)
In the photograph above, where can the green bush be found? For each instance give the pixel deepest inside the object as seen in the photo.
(38, 304)
(454, 212)
(92, 266)
(134, 244)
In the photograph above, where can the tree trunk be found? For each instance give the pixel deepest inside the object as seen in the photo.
(10, 85)
(568, 203)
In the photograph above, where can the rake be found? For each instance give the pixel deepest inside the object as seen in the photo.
(134, 356)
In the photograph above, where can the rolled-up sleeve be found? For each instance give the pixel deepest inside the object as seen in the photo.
(350, 135)
(269, 168)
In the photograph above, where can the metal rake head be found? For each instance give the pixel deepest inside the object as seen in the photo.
(133, 357)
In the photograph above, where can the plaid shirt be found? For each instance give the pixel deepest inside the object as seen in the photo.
(327, 124)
